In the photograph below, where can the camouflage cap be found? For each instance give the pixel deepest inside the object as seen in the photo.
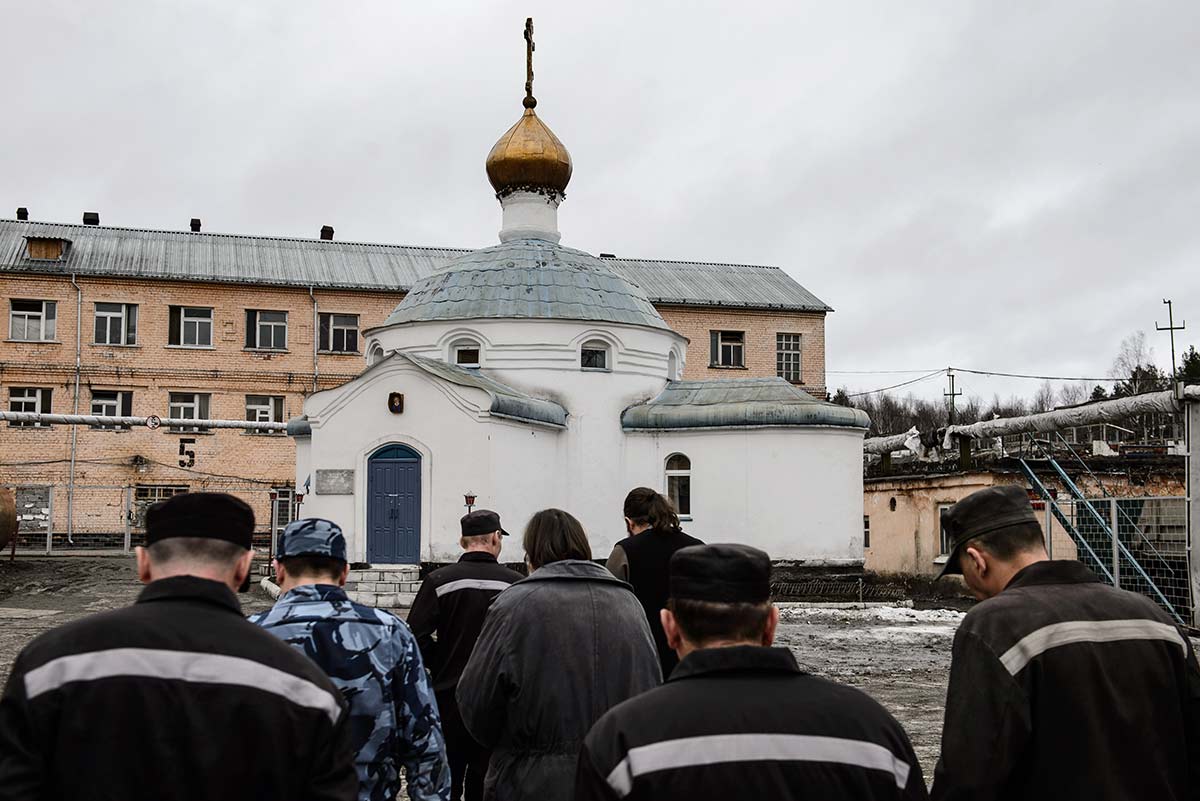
(311, 536)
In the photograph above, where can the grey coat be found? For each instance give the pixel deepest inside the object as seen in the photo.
(557, 650)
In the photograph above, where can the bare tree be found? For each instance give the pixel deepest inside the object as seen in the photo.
(1043, 399)
(1073, 394)
(1133, 357)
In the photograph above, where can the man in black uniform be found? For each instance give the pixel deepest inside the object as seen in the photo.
(177, 696)
(446, 617)
(1060, 686)
(737, 718)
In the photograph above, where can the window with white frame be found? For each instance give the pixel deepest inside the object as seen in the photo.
(35, 400)
(467, 353)
(787, 357)
(264, 409)
(727, 348)
(945, 545)
(679, 483)
(866, 531)
(266, 330)
(594, 355)
(112, 403)
(32, 320)
(190, 326)
(189, 406)
(116, 323)
(338, 333)
(284, 510)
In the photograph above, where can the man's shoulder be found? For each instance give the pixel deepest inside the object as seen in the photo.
(472, 570)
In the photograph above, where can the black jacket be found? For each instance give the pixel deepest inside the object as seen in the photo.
(745, 722)
(447, 614)
(175, 697)
(1062, 687)
(642, 560)
(557, 650)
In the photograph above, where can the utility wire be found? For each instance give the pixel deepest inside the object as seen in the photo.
(897, 386)
(1037, 377)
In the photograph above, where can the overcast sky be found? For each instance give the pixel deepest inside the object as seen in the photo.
(1010, 186)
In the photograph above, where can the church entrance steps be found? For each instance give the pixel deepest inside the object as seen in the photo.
(384, 586)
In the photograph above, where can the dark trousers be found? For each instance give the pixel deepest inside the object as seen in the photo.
(468, 759)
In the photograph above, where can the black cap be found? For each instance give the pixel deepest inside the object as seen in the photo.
(208, 515)
(481, 521)
(721, 573)
(983, 512)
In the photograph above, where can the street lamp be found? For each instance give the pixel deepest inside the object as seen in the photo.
(469, 498)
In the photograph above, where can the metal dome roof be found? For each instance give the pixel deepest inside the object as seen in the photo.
(527, 278)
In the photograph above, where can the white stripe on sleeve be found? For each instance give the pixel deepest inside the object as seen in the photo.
(1094, 631)
(471, 584)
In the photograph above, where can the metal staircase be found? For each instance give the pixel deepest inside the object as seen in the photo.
(1126, 559)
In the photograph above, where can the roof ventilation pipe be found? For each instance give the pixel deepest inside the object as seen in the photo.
(22, 213)
(327, 233)
(195, 225)
(91, 218)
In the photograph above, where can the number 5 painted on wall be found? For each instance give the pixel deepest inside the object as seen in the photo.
(184, 451)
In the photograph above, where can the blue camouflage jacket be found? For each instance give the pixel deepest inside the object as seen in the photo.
(372, 657)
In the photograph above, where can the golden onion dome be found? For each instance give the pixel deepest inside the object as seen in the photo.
(529, 156)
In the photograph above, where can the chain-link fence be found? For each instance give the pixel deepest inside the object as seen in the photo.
(1150, 552)
(111, 518)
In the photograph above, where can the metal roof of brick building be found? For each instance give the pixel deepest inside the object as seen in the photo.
(230, 258)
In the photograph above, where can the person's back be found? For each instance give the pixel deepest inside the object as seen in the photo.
(372, 658)
(557, 650)
(642, 559)
(738, 718)
(447, 616)
(1092, 670)
(1060, 687)
(176, 697)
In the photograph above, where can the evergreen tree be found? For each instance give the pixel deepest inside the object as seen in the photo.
(1189, 367)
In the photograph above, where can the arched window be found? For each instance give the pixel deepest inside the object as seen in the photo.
(375, 354)
(672, 367)
(679, 483)
(466, 353)
(594, 355)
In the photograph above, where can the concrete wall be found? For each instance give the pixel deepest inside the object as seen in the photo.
(907, 539)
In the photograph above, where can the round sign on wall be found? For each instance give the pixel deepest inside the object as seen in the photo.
(153, 422)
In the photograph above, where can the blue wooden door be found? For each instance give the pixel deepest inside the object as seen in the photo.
(394, 506)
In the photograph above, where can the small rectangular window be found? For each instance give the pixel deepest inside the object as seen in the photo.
(727, 348)
(188, 406)
(32, 320)
(466, 357)
(338, 333)
(190, 326)
(866, 531)
(944, 542)
(146, 495)
(593, 359)
(35, 400)
(266, 330)
(264, 409)
(787, 357)
(116, 324)
(112, 403)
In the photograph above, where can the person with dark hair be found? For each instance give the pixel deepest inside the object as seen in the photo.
(557, 649)
(370, 655)
(1060, 686)
(177, 696)
(642, 558)
(446, 617)
(738, 718)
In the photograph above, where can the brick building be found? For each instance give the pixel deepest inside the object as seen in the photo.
(187, 324)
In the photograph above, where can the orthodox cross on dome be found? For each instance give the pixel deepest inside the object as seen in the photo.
(530, 100)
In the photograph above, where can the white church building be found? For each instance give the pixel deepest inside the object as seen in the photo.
(531, 375)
